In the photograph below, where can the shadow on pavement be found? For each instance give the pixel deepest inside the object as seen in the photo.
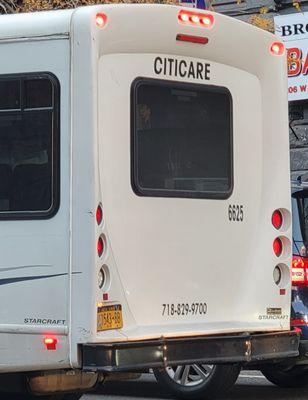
(239, 391)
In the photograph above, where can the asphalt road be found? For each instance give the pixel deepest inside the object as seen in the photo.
(250, 385)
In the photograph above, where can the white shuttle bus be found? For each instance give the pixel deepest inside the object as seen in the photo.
(144, 195)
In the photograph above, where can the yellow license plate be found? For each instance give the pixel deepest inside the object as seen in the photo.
(109, 317)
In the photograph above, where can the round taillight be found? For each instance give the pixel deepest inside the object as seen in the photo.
(101, 278)
(277, 219)
(277, 275)
(207, 20)
(99, 214)
(195, 19)
(277, 48)
(100, 246)
(183, 17)
(100, 20)
(277, 247)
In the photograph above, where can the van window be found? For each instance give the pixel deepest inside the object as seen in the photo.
(29, 130)
(182, 140)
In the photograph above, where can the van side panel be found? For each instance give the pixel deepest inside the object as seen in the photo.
(34, 263)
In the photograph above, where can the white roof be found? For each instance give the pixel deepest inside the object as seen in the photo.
(36, 24)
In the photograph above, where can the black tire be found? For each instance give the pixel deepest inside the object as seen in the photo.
(215, 383)
(294, 377)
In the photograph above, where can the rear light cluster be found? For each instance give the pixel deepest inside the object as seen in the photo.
(277, 222)
(100, 241)
(299, 321)
(103, 277)
(281, 220)
(299, 271)
(196, 19)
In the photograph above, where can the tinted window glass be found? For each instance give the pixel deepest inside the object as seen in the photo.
(182, 140)
(9, 94)
(28, 154)
(302, 206)
(38, 93)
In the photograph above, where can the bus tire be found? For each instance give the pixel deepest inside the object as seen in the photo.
(218, 381)
(294, 377)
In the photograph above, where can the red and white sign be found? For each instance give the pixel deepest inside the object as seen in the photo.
(293, 30)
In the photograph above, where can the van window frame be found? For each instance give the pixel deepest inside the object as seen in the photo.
(55, 144)
(149, 192)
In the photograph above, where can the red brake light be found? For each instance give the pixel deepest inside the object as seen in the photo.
(99, 215)
(100, 20)
(299, 271)
(192, 39)
(196, 19)
(100, 246)
(277, 48)
(183, 17)
(50, 343)
(298, 322)
(277, 219)
(277, 247)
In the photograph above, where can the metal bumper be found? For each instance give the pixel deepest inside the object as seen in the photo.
(242, 349)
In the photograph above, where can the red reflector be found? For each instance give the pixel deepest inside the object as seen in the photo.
(299, 271)
(50, 343)
(277, 219)
(100, 20)
(277, 246)
(192, 39)
(100, 246)
(196, 19)
(277, 48)
(99, 215)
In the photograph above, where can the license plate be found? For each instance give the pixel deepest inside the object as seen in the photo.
(109, 317)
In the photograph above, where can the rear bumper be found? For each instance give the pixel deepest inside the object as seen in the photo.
(243, 349)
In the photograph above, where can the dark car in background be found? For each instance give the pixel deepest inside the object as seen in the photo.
(296, 374)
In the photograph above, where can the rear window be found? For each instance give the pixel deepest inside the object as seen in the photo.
(182, 140)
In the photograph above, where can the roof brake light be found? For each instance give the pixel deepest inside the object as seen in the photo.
(192, 39)
(196, 19)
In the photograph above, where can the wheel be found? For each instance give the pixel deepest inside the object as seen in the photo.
(197, 380)
(296, 376)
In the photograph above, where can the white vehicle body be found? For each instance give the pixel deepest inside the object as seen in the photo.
(161, 252)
